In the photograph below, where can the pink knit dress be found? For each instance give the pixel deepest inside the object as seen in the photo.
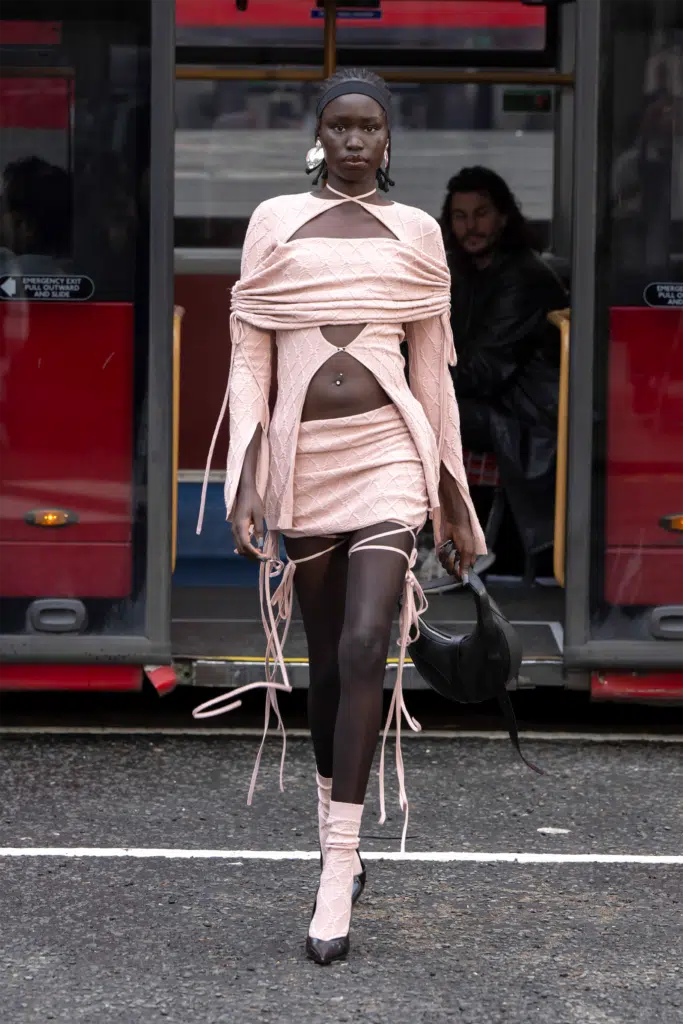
(400, 289)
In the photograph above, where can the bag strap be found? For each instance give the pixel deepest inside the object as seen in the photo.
(505, 705)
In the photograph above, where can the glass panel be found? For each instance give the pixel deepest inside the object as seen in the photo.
(238, 143)
(387, 24)
(229, 159)
(638, 562)
(74, 127)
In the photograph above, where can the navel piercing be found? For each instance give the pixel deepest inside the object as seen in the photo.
(339, 379)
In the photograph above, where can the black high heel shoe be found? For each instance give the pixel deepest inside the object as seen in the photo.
(326, 951)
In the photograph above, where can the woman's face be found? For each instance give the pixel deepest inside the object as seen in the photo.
(354, 134)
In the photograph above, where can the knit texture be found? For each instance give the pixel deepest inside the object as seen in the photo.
(332, 917)
(398, 287)
(324, 798)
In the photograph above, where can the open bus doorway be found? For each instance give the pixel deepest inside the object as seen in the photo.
(490, 84)
(240, 139)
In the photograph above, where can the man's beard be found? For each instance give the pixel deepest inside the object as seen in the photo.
(488, 249)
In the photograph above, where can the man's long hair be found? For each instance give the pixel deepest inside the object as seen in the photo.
(517, 233)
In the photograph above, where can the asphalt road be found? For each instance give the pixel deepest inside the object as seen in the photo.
(194, 938)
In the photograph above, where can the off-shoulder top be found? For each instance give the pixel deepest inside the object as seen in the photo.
(398, 287)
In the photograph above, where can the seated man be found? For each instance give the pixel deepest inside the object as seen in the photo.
(506, 380)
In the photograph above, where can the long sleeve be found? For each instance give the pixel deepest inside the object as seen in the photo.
(431, 353)
(248, 388)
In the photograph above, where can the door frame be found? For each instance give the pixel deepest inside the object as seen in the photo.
(587, 329)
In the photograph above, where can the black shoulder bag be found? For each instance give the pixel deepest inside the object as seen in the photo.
(477, 666)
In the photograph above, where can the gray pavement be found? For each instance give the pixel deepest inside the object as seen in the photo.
(128, 940)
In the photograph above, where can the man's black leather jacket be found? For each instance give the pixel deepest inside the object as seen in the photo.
(508, 352)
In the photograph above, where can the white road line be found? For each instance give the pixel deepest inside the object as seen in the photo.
(446, 857)
(426, 734)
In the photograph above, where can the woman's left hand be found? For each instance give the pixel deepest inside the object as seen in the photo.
(457, 551)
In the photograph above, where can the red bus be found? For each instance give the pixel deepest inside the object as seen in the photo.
(577, 104)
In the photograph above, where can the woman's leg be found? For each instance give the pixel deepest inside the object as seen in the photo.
(375, 582)
(321, 591)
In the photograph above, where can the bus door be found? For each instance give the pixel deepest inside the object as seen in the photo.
(245, 106)
(85, 340)
(625, 489)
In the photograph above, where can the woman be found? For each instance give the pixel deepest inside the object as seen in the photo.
(352, 462)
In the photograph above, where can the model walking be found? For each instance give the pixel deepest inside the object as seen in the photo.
(353, 461)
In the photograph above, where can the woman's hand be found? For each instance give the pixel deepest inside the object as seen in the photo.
(247, 524)
(457, 548)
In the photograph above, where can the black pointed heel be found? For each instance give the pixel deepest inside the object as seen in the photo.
(325, 952)
(359, 881)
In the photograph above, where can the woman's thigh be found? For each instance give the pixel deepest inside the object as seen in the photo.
(375, 580)
(320, 586)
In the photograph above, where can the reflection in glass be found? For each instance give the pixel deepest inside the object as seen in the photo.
(238, 143)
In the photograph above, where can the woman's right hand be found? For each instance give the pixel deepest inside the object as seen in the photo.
(247, 525)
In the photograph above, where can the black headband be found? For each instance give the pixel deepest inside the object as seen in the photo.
(349, 87)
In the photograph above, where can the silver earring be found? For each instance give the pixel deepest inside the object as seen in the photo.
(314, 157)
(385, 158)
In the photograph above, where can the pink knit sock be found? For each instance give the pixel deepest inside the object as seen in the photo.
(324, 797)
(332, 916)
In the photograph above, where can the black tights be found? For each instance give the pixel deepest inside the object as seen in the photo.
(347, 604)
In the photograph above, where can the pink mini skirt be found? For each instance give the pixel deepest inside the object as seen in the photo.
(355, 471)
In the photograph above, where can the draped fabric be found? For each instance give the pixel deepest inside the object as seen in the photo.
(398, 287)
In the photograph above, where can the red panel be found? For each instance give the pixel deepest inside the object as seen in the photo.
(57, 569)
(66, 410)
(403, 14)
(644, 456)
(624, 686)
(34, 103)
(71, 677)
(646, 576)
(30, 33)
(205, 363)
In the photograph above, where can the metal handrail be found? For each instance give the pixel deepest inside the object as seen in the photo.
(561, 318)
(433, 76)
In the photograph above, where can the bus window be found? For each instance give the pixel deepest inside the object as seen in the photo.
(35, 175)
(638, 563)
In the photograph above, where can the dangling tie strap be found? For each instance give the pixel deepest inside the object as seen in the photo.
(276, 615)
(413, 605)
